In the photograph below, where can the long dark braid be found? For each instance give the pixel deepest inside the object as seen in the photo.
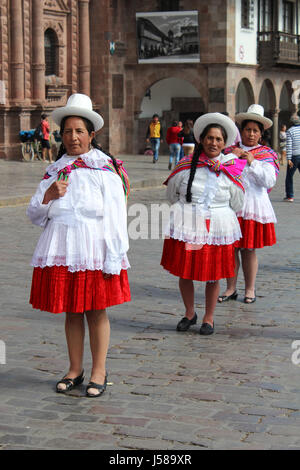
(196, 155)
(90, 128)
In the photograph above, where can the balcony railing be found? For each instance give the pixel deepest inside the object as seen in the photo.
(278, 48)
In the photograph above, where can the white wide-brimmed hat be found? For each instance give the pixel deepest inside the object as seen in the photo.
(216, 118)
(78, 105)
(255, 112)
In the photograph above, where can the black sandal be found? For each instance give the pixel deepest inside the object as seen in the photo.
(70, 383)
(225, 298)
(99, 387)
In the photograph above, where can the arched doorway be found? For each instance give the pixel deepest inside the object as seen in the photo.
(285, 104)
(172, 99)
(244, 96)
(267, 99)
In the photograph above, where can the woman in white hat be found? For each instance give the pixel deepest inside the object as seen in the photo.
(205, 190)
(80, 262)
(257, 218)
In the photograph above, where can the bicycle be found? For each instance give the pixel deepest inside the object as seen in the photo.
(31, 148)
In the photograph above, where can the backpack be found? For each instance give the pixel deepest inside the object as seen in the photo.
(38, 133)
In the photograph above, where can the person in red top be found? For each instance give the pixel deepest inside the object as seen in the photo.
(45, 140)
(174, 143)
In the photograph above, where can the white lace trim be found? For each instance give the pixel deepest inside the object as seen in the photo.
(267, 219)
(94, 265)
(188, 237)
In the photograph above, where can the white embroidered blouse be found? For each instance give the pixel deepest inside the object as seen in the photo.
(86, 229)
(257, 179)
(216, 198)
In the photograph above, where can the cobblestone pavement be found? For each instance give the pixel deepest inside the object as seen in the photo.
(237, 389)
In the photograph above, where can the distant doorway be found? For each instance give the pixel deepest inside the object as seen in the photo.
(192, 115)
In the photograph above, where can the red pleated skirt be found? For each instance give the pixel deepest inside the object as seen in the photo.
(55, 289)
(255, 234)
(207, 263)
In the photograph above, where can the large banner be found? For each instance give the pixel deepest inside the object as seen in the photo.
(167, 37)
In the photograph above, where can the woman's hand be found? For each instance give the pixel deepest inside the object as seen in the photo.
(247, 156)
(55, 191)
(238, 152)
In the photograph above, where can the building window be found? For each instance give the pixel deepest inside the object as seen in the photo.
(168, 5)
(288, 15)
(247, 14)
(266, 15)
(51, 52)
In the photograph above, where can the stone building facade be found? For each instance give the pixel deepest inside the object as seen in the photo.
(52, 48)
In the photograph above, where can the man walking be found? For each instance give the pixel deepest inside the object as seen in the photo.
(154, 136)
(292, 156)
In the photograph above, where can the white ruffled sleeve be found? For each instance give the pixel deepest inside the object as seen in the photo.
(262, 174)
(36, 211)
(173, 188)
(237, 196)
(115, 223)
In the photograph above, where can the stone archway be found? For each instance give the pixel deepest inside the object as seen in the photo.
(244, 96)
(286, 105)
(267, 98)
(172, 98)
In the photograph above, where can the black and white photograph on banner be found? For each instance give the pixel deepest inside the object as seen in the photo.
(167, 37)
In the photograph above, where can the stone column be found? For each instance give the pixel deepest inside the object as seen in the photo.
(84, 48)
(17, 51)
(275, 129)
(38, 52)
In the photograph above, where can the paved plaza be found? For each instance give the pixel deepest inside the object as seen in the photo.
(237, 389)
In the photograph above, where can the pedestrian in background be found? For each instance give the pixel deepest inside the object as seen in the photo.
(173, 142)
(80, 262)
(181, 140)
(205, 191)
(155, 136)
(187, 134)
(282, 144)
(292, 156)
(45, 127)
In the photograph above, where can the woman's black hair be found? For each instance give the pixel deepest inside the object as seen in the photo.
(197, 152)
(90, 128)
(260, 125)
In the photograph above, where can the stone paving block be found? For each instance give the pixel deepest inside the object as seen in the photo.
(125, 420)
(130, 431)
(144, 444)
(38, 414)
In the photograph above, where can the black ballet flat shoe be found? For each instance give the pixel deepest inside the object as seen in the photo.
(206, 329)
(185, 323)
(224, 298)
(70, 383)
(101, 388)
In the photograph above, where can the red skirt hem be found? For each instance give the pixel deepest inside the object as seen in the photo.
(56, 290)
(256, 234)
(198, 262)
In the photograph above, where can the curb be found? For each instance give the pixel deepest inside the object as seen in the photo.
(22, 200)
